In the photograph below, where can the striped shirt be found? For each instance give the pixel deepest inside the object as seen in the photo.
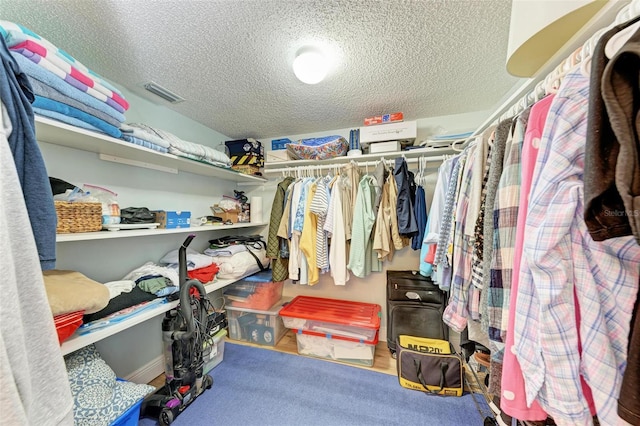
(561, 259)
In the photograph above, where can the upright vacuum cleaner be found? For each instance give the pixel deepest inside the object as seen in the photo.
(187, 332)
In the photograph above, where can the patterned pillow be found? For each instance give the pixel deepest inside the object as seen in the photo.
(99, 398)
(318, 148)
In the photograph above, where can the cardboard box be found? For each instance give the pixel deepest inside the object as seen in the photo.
(386, 118)
(390, 146)
(235, 216)
(173, 219)
(400, 131)
(277, 156)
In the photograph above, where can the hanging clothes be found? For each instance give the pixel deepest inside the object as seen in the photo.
(382, 240)
(620, 92)
(319, 207)
(601, 195)
(380, 174)
(504, 223)
(334, 225)
(457, 311)
(432, 230)
(279, 265)
(360, 256)
(545, 332)
(309, 236)
(294, 238)
(399, 241)
(512, 397)
(421, 218)
(35, 385)
(407, 226)
(441, 258)
(16, 94)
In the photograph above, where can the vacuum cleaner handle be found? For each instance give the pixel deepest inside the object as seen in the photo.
(185, 290)
(182, 260)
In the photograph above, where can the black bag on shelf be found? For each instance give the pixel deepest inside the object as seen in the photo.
(130, 215)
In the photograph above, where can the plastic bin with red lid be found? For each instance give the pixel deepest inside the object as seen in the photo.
(333, 317)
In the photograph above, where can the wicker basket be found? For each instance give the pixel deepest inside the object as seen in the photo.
(78, 217)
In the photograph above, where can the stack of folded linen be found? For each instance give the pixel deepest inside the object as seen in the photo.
(64, 88)
(158, 139)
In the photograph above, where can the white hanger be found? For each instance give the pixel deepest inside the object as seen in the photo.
(618, 40)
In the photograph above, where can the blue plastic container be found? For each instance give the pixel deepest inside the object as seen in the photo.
(129, 417)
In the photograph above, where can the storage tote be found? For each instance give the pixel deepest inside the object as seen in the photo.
(336, 348)
(345, 318)
(262, 327)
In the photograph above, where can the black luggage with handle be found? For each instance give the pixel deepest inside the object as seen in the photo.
(414, 307)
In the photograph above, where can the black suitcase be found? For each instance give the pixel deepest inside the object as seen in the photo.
(414, 307)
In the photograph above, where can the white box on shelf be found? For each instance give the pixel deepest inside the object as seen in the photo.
(402, 131)
(389, 146)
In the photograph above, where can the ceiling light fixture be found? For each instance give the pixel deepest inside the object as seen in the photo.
(310, 66)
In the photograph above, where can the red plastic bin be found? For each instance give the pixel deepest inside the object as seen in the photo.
(67, 324)
(333, 317)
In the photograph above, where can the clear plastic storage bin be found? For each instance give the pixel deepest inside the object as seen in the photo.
(263, 327)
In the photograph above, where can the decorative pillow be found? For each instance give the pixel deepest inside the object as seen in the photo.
(99, 398)
(318, 148)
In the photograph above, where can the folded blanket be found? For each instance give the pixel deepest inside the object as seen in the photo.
(151, 268)
(36, 59)
(144, 132)
(146, 144)
(177, 146)
(194, 151)
(240, 264)
(65, 119)
(40, 51)
(70, 291)
(198, 158)
(195, 260)
(51, 105)
(41, 89)
(225, 251)
(38, 73)
(15, 34)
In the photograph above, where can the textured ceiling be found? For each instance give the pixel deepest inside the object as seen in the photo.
(231, 60)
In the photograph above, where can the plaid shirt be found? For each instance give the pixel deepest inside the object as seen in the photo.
(456, 313)
(560, 263)
(505, 218)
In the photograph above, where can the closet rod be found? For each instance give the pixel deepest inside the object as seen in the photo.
(359, 163)
(613, 13)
